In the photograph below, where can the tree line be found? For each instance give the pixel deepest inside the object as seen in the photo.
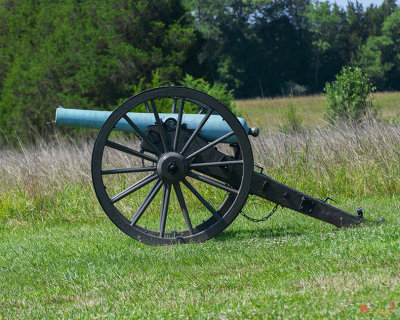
(268, 48)
(94, 53)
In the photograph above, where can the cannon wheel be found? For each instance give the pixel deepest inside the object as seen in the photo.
(129, 220)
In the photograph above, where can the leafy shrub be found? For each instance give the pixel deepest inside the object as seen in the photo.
(349, 97)
(216, 90)
(157, 80)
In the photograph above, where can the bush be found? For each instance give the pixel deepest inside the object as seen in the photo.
(349, 97)
(216, 90)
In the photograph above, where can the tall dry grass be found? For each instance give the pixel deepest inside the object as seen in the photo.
(46, 167)
(342, 161)
(346, 159)
(48, 180)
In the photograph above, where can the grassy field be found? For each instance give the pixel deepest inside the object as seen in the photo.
(292, 267)
(61, 258)
(271, 114)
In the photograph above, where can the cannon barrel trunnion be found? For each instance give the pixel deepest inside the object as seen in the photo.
(147, 166)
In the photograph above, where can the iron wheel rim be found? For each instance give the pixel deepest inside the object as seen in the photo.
(207, 229)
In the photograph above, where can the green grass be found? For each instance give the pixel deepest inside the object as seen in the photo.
(61, 258)
(292, 266)
(271, 114)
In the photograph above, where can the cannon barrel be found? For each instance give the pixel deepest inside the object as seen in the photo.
(215, 127)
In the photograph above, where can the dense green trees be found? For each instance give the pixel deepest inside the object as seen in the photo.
(256, 47)
(279, 47)
(84, 54)
(93, 54)
(380, 56)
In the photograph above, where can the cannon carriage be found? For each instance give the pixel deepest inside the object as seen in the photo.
(198, 147)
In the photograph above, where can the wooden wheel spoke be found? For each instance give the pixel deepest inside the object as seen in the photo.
(212, 182)
(128, 170)
(147, 107)
(182, 203)
(210, 145)
(134, 187)
(215, 164)
(141, 134)
(147, 200)
(128, 150)
(178, 124)
(164, 208)
(197, 130)
(173, 110)
(210, 208)
(159, 125)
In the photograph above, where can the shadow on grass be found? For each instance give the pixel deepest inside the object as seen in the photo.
(262, 233)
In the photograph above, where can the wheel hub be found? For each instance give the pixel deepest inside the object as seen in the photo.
(172, 167)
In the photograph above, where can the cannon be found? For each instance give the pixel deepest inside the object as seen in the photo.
(199, 151)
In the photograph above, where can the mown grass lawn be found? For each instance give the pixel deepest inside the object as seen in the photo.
(61, 258)
(292, 267)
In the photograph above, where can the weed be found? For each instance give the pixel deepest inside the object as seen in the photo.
(293, 122)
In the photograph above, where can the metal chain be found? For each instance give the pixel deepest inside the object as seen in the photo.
(262, 219)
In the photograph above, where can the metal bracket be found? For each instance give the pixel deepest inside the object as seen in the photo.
(329, 198)
(306, 205)
(360, 212)
(179, 238)
(259, 168)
